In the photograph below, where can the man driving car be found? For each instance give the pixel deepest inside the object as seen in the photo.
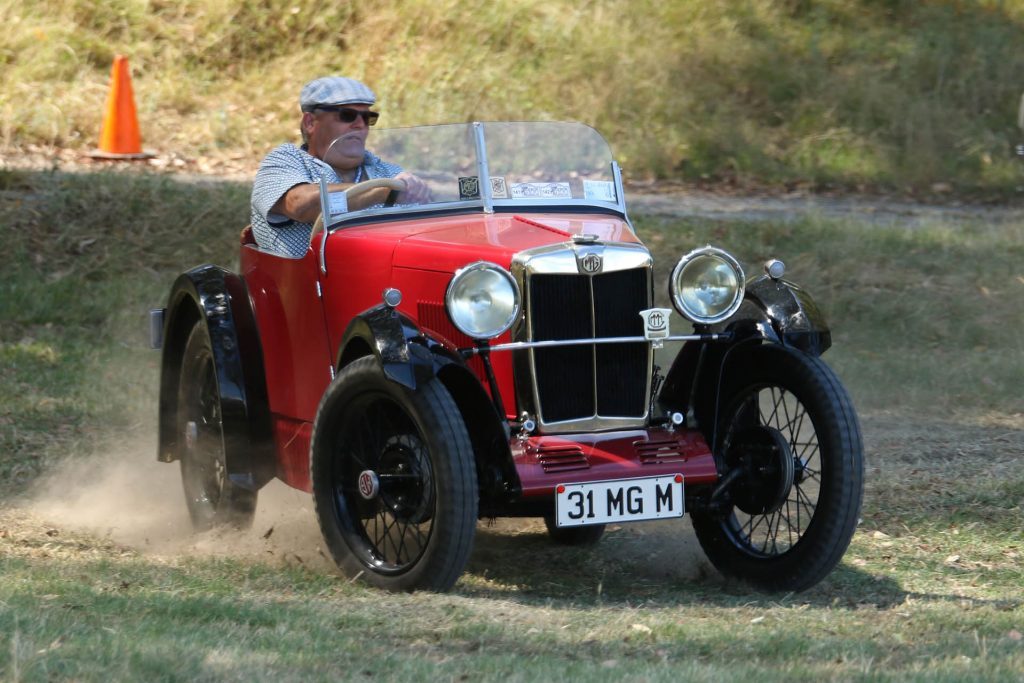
(336, 118)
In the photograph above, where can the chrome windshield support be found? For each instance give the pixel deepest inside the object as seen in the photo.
(516, 346)
(324, 217)
(482, 169)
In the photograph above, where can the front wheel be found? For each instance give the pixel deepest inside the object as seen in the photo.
(394, 480)
(789, 441)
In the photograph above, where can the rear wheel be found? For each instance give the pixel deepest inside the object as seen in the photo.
(394, 480)
(789, 441)
(212, 499)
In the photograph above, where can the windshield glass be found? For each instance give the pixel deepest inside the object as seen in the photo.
(527, 164)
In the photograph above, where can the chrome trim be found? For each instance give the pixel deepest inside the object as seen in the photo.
(515, 346)
(564, 259)
(482, 167)
(380, 212)
(324, 216)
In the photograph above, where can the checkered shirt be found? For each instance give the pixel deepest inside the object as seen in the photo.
(283, 169)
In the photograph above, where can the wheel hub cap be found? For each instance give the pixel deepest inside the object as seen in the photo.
(767, 460)
(369, 484)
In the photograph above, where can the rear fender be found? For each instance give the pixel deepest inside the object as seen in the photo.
(218, 299)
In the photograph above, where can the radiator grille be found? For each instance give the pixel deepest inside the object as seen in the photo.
(579, 382)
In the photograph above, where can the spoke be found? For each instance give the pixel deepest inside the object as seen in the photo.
(785, 411)
(777, 519)
(806, 502)
(795, 439)
(760, 518)
(789, 527)
(401, 544)
(773, 418)
(420, 538)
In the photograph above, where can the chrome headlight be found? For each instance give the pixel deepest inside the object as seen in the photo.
(482, 300)
(707, 285)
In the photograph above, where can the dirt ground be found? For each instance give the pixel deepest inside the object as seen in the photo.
(91, 497)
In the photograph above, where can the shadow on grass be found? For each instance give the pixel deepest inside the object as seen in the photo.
(626, 570)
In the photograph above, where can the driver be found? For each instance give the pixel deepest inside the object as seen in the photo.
(336, 117)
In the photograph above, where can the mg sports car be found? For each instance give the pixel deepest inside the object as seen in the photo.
(496, 351)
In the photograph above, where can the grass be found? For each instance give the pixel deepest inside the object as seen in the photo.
(926, 324)
(888, 94)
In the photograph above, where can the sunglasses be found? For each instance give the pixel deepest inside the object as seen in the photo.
(349, 115)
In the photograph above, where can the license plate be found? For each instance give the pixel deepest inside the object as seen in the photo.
(622, 500)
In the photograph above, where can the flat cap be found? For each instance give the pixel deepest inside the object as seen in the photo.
(332, 90)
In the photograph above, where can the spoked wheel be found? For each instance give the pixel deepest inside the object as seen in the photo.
(212, 499)
(394, 480)
(789, 444)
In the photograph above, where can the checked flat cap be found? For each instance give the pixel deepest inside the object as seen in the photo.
(333, 90)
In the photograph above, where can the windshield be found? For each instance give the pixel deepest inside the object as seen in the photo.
(538, 164)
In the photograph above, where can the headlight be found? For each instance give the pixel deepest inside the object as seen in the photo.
(707, 285)
(482, 300)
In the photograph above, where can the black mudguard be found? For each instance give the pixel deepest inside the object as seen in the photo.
(773, 311)
(792, 313)
(402, 350)
(411, 357)
(219, 299)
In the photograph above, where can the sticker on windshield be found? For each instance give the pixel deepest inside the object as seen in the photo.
(337, 203)
(541, 191)
(499, 190)
(601, 190)
(469, 187)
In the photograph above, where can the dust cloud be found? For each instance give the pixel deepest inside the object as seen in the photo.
(123, 494)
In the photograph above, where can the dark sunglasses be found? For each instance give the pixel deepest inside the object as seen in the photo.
(348, 115)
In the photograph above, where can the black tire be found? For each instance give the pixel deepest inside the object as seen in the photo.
(785, 415)
(574, 535)
(415, 530)
(212, 499)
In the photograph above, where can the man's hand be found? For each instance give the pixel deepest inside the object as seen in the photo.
(416, 191)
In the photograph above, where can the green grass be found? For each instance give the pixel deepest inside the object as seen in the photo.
(875, 94)
(926, 325)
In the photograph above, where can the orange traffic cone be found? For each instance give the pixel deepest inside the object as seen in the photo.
(120, 137)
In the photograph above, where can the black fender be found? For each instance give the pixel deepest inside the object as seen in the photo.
(412, 357)
(401, 348)
(219, 300)
(773, 311)
(792, 313)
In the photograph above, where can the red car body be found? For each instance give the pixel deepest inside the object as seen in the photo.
(301, 334)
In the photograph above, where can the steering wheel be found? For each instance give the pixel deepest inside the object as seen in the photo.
(359, 189)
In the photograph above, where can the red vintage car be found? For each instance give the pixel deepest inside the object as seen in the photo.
(491, 352)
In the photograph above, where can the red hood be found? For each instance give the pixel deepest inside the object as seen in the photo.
(446, 244)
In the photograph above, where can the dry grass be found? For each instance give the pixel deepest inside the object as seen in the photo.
(894, 94)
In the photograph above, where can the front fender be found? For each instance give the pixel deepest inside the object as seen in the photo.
(218, 299)
(773, 311)
(406, 355)
(794, 316)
